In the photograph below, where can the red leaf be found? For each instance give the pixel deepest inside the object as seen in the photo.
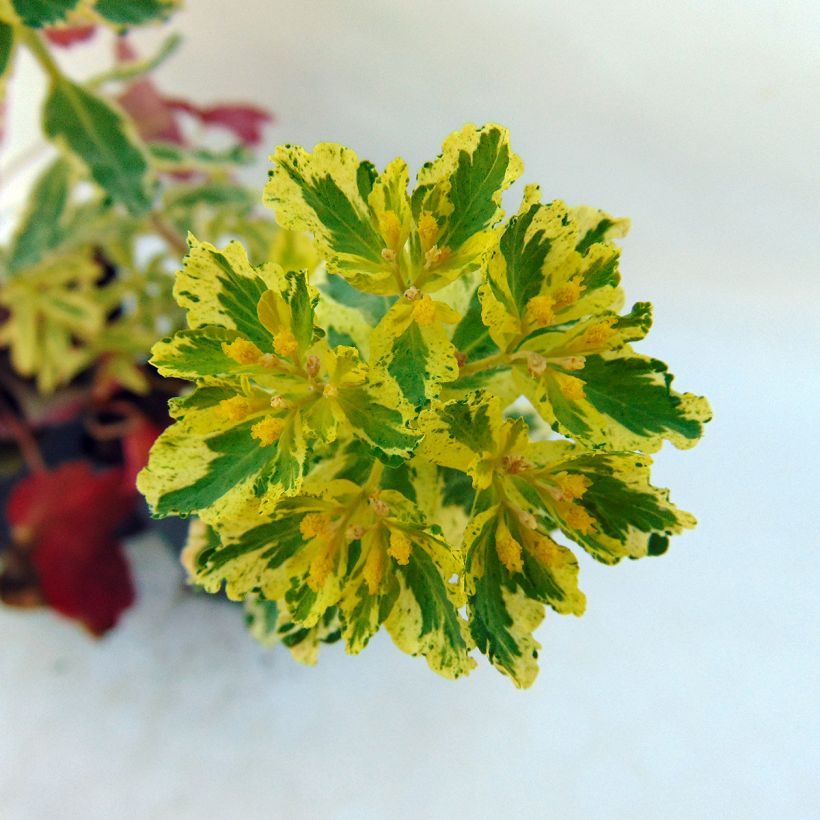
(66, 519)
(245, 121)
(95, 591)
(154, 119)
(67, 37)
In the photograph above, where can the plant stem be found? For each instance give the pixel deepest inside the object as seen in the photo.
(23, 437)
(168, 233)
(375, 476)
(483, 364)
(40, 53)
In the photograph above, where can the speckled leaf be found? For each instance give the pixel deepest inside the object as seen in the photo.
(221, 287)
(501, 617)
(603, 501)
(209, 455)
(411, 346)
(620, 401)
(326, 193)
(457, 201)
(271, 624)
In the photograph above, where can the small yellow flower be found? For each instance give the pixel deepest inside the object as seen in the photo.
(509, 552)
(428, 230)
(320, 567)
(565, 295)
(572, 485)
(373, 570)
(242, 351)
(268, 430)
(539, 311)
(571, 387)
(400, 547)
(435, 255)
(424, 312)
(284, 343)
(598, 335)
(314, 524)
(235, 408)
(390, 228)
(577, 517)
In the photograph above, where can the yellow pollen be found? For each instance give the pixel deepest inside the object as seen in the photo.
(235, 408)
(572, 485)
(400, 547)
(314, 524)
(268, 430)
(539, 311)
(428, 230)
(577, 517)
(545, 550)
(390, 227)
(509, 553)
(424, 312)
(330, 390)
(373, 571)
(284, 343)
(570, 387)
(242, 351)
(598, 335)
(320, 567)
(566, 294)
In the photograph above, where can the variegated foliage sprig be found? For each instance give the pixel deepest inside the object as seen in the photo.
(85, 281)
(349, 445)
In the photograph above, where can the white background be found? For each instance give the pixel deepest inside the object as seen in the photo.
(689, 689)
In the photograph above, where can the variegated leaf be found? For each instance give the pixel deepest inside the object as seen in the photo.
(411, 346)
(617, 401)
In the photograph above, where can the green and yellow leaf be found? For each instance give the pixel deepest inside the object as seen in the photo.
(271, 624)
(457, 201)
(411, 345)
(616, 401)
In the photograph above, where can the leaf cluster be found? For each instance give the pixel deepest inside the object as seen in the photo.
(86, 279)
(350, 444)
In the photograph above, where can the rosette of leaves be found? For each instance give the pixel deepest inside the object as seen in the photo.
(349, 445)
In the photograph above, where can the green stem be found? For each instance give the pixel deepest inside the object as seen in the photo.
(375, 476)
(137, 68)
(40, 52)
(168, 233)
(484, 364)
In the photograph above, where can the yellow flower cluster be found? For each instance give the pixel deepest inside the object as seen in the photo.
(268, 430)
(242, 351)
(400, 546)
(509, 552)
(539, 311)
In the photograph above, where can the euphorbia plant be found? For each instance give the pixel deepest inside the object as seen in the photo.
(354, 445)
